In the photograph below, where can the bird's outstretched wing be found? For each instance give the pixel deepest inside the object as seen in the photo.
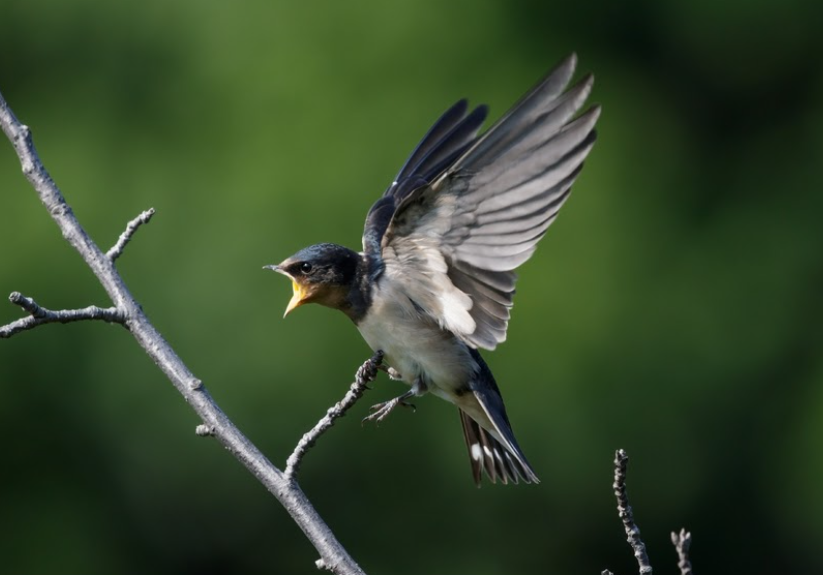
(466, 210)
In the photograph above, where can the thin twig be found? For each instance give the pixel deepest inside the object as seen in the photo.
(117, 250)
(624, 510)
(40, 315)
(365, 375)
(334, 556)
(682, 541)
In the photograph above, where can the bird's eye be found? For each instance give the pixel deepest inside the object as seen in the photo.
(305, 267)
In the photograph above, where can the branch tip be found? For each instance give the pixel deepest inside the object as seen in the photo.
(26, 303)
(682, 541)
(117, 250)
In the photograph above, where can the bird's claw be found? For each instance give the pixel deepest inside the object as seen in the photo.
(368, 371)
(381, 410)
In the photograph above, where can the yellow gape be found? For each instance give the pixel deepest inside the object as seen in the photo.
(297, 299)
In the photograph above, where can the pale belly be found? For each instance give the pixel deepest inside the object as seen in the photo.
(418, 349)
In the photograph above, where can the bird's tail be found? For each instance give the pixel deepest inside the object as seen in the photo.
(490, 455)
(492, 446)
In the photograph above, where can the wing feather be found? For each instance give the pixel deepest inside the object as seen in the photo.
(431, 140)
(503, 282)
(522, 114)
(466, 210)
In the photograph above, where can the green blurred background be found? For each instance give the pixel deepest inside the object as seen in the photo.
(673, 310)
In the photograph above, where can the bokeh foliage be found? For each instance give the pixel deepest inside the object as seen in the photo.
(673, 310)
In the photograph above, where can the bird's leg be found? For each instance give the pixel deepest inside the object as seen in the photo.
(381, 410)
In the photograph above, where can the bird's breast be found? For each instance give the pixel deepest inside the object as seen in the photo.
(414, 344)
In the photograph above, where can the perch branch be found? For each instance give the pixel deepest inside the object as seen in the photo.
(333, 555)
(624, 510)
(365, 375)
(682, 541)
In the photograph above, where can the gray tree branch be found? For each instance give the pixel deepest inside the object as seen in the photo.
(680, 540)
(127, 312)
(624, 510)
(39, 315)
(365, 375)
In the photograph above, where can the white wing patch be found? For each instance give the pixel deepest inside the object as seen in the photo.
(418, 261)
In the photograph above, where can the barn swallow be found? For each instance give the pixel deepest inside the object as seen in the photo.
(435, 279)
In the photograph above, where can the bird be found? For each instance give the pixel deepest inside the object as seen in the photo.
(435, 279)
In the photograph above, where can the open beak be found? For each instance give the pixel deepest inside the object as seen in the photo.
(298, 298)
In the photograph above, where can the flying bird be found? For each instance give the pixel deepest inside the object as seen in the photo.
(435, 279)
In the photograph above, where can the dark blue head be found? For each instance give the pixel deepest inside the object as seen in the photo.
(322, 273)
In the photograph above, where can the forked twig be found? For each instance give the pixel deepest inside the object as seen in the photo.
(39, 315)
(127, 312)
(681, 540)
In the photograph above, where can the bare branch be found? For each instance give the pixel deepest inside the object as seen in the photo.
(117, 250)
(682, 541)
(333, 555)
(40, 315)
(624, 510)
(365, 374)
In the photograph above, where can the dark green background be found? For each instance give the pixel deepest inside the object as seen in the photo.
(673, 310)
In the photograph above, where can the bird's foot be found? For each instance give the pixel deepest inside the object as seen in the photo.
(381, 410)
(368, 371)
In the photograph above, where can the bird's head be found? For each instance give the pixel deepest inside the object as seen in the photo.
(322, 273)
